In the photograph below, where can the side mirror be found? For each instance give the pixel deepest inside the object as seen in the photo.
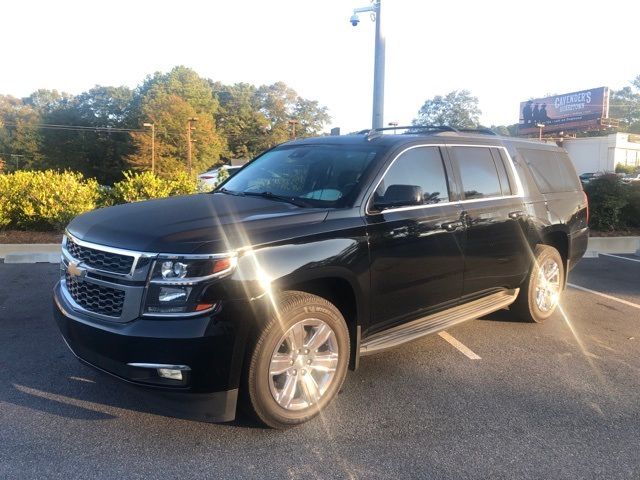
(399, 196)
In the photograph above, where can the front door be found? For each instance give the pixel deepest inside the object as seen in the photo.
(416, 251)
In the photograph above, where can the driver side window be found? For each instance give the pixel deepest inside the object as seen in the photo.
(421, 167)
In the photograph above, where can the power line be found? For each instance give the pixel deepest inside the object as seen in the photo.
(82, 128)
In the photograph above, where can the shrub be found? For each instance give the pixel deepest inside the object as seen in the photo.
(144, 186)
(622, 168)
(631, 211)
(44, 200)
(607, 198)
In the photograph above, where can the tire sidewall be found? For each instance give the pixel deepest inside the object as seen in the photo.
(543, 253)
(264, 405)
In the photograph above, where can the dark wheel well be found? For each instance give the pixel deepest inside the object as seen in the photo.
(339, 292)
(559, 241)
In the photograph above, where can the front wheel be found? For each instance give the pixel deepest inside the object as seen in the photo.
(299, 360)
(540, 293)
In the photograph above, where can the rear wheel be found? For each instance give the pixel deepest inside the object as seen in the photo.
(540, 293)
(299, 361)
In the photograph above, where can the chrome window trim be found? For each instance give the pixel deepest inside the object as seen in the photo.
(519, 188)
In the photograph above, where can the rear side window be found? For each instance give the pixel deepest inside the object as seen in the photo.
(552, 171)
(421, 167)
(505, 183)
(478, 172)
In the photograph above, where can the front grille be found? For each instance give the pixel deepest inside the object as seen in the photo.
(96, 298)
(106, 261)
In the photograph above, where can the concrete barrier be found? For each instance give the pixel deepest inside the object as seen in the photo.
(30, 252)
(613, 245)
(43, 252)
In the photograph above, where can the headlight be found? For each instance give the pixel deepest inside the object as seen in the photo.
(177, 283)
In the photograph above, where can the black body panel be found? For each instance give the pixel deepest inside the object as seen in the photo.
(381, 269)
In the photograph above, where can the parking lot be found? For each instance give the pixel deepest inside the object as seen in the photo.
(558, 400)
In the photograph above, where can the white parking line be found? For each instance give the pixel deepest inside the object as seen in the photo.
(618, 256)
(459, 345)
(604, 295)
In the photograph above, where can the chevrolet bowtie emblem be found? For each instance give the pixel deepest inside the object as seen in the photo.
(74, 270)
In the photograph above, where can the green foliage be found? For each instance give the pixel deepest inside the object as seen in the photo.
(456, 109)
(44, 200)
(144, 186)
(624, 105)
(608, 196)
(169, 101)
(631, 211)
(622, 168)
(237, 121)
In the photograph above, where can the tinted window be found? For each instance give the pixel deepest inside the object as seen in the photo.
(552, 171)
(502, 173)
(478, 172)
(421, 167)
(318, 175)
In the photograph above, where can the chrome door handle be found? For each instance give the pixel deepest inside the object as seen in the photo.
(517, 214)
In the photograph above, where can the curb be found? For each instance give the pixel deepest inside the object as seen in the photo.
(30, 252)
(50, 252)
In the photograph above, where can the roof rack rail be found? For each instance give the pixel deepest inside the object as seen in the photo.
(376, 132)
(484, 130)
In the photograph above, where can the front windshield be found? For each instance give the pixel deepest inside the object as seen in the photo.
(314, 175)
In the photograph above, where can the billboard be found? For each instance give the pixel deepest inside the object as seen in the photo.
(567, 112)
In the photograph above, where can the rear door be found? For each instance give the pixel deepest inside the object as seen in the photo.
(416, 251)
(496, 249)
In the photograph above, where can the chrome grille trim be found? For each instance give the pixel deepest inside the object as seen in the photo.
(99, 259)
(101, 293)
(96, 298)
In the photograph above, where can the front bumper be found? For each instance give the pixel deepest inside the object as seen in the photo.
(212, 346)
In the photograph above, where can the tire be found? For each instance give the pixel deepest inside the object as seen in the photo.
(532, 304)
(288, 380)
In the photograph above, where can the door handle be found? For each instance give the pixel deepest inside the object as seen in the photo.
(452, 226)
(517, 214)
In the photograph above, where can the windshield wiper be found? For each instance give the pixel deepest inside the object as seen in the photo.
(282, 198)
(228, 192)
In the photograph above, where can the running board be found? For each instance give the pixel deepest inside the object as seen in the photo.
(438, 321)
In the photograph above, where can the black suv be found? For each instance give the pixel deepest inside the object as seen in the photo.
(317, 252)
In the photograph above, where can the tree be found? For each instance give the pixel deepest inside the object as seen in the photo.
(20, 139)
(95, 153)
(254, 119)
(168, 101)
(624, 105)
(240, 119)
(455, 109)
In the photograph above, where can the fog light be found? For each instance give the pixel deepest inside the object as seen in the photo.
(170, 373)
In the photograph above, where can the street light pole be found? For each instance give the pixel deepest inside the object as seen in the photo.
(293, 124)
(377, 120)
(378, 72)
(153, 145)
(190, 127)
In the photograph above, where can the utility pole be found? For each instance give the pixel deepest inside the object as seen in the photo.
(153, 145)
(293, 124)
(190, 127)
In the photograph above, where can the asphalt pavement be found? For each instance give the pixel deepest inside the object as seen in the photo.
(557, 400)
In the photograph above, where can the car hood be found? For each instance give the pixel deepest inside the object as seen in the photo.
(204, 223)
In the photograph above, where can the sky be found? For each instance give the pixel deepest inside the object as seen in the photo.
(504, 52)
